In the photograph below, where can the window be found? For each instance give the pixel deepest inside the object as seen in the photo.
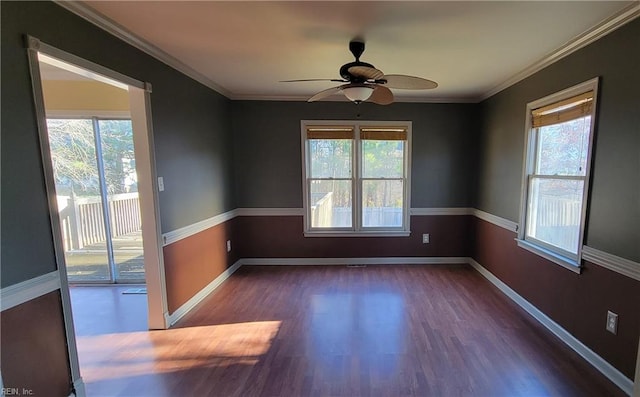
(556, 176)
(356, 178)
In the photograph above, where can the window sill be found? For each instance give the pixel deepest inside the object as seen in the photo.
(550, 256)
(377, 233)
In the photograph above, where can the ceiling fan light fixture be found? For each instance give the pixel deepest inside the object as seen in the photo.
(358, 93)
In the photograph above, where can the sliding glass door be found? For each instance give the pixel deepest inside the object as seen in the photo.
(94, 167)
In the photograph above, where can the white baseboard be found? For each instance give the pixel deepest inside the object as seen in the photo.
(202, 294)
(592, 358)
(421, 260)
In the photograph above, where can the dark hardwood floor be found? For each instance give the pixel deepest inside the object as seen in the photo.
(338, 331)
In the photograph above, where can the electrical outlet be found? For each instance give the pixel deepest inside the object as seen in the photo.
(425, 238)
(160, 184)
(612, 322)
(228, 245)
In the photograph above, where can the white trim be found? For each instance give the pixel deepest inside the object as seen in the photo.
(362, 233)
(269, 211)
(143, 141)
(441, 211)
(202, 294)
(549, 255)
(27, 290)
(620, 265)
(57, 63)
(597, 32)
(54, 220)
(195, 228)
(82, 114)
(125, 35)
(589, 355)
(81, 65)
(409, 260)
(78, 386)
(496, 220)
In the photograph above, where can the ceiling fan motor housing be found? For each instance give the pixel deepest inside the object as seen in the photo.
(344, 72)
(356, 46)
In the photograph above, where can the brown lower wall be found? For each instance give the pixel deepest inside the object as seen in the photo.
(192, 263)
(34, 357)
(282, 237)
(577, 302)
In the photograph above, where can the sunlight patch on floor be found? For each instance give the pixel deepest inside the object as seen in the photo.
(121, 355)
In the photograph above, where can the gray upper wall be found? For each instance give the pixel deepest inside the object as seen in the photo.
(614, 212)
(191, 129)
(268, 159)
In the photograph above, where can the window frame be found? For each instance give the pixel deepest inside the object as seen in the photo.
(356, 229)
(552, 253)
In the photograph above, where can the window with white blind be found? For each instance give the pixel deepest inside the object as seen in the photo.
(356, 177)
(556, 174)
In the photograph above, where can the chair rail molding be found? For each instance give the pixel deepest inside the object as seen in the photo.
(28, 290)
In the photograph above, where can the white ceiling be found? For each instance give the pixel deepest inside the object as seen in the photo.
(472, 48)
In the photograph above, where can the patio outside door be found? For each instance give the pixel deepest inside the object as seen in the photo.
(95, 175)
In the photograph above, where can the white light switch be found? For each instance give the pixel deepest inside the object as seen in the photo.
(612, 322)
(160, 184)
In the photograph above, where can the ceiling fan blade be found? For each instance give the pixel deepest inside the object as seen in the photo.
(303, 80)
(325, 93)
(366, 72)
(408, 82)
(381, 95)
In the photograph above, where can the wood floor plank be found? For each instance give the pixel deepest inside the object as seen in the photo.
(339, 331)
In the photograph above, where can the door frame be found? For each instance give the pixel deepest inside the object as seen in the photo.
(140, 106)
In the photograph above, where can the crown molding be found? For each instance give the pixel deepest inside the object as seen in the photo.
(597, 32)
(130, 38)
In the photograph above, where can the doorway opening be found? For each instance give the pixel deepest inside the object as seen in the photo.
(97, 150)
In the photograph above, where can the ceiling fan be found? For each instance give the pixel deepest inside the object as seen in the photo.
(366, 83)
